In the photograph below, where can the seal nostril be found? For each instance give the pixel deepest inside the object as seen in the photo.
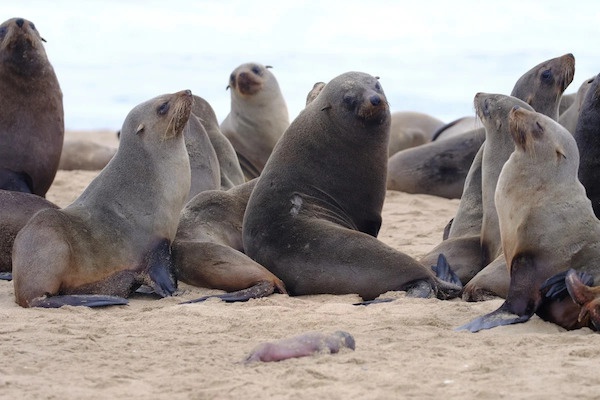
(20, 22)
(375, 100)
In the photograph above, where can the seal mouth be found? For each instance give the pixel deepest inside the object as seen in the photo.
(180, 113)
(374, 109)
(567, 63)
(482, 106)
(247, 84)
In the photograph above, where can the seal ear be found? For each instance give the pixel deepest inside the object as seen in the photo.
(560, 152)
(139, 129)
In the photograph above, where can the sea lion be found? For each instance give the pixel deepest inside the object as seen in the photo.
(456, 127)
(546, 221)
(569, 117)
(229, 165)
(31, 110)
(258, 116)
(85, 155)
(439, 168)
(17, 208)
(302, 345)
(410, 129)
(116, 235)
(314, 215)
(587, 136)
(208, 251)
(204, 165)
(540, 87)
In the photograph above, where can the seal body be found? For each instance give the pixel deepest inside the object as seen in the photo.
(547, 224)
(258, 116)
(230, 170)
(85, 155)
(116, 235)
(208, 250)
(17, 208)
(315, 212)
(411, 129)
(31, 110)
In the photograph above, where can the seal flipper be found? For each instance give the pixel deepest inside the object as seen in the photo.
(261, 289)
(555, 287)
(579, 286)
(521, 302)
(449, 284)
(6, 276)
(88, 300)
(502, 316)
(160, 270)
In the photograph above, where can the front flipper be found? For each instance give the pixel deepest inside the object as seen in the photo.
(449, 284)
(579, 287)
(502, 316)
(261, 289)
(160, 270)
(87, 300)
(555, 287)
(6, 276)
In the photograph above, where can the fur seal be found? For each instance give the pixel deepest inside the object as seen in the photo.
(540, 87)
(85, 155)
(31, 110)
(587, 136)
(546, 221)
(17, 208)
(208, 251)
(116, 235)
(302, 345)
(410, 129)
(315, 213)
(258, 116)
(204, 165)
(439, 168)
(456, 127)
(570, 116)
(229, 166)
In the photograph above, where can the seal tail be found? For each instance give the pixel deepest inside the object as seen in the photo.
(87, 300)
(261, 289)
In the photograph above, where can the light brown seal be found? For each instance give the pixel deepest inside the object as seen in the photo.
(258, 116)
(314, 215)
(204, 165)
(17, 208)
(85, 155)
(31, 110)
(540, 87)
(569, 117)
(229, 166)
(208, 251)
(302, 345)
(410, 129)
(546, 221)
(116, 235)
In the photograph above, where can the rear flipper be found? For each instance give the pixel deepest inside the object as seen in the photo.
(6, 276)
(449, 284)
(502, 316)
(579, 287)
(261, 289)
(375, 301)
(555, 287)
(88, 300)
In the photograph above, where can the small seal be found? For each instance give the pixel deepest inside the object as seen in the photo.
(31, 110)
(258, 116)
(116, 235)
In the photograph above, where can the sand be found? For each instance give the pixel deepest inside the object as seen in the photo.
(160, 349)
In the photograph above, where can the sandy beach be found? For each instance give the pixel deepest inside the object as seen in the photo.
(408, 348)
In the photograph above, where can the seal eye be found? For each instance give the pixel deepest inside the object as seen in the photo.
(256, 70)
(162, 110)
(2, 32)
(349, 101)
(546, 75)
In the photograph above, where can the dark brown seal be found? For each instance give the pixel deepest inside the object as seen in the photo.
(31, 110)
(315, 212)
(546, 221)
(116, 235)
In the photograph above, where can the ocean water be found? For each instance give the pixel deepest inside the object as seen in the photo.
(431, 56)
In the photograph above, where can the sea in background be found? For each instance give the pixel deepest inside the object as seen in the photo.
(431, 56)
